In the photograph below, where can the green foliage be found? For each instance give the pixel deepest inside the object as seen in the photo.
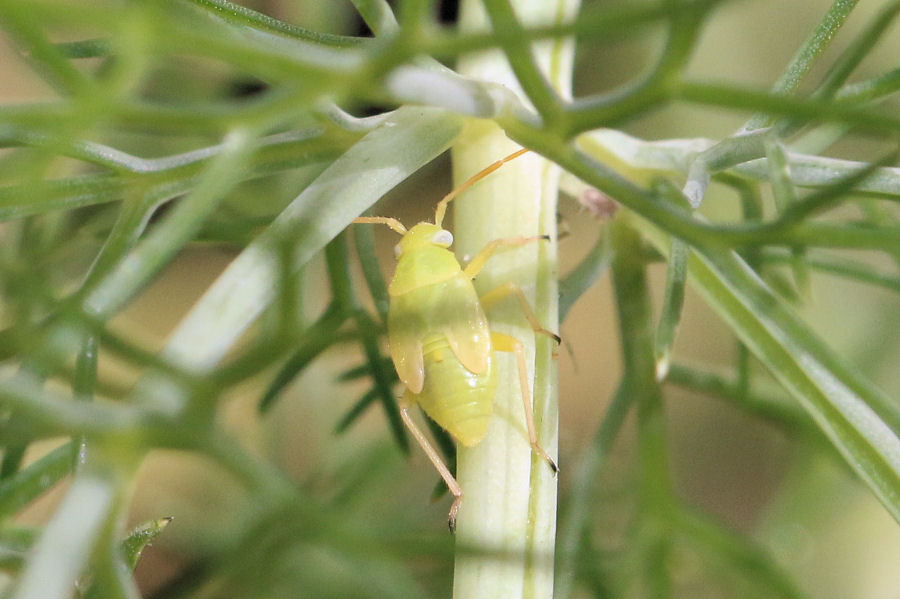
(141, 149)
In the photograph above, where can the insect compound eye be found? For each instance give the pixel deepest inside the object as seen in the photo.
(397, 251)
(442, 238)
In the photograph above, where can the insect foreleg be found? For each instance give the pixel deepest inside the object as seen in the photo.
(477, 263)
(434, 457)
(505, 343)
(498, 294)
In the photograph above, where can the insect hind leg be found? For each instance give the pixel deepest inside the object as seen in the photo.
(477, 263)
(508, 344)
(500, 293)
(434, 457)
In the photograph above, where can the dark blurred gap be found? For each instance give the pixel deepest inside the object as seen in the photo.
(359, 28)
(248, 88)
(185, 583)
(448, 11)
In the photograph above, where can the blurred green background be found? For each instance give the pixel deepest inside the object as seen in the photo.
(821, 524)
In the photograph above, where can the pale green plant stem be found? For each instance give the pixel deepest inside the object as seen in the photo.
(507, 523)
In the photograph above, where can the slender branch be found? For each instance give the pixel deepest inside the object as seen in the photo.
(537, 88)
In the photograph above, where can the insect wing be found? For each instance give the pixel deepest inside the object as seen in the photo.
(464, 324)
(447, 309)
(406, 324)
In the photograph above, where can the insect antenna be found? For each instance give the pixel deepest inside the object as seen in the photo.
(441, 208)
(393, 223)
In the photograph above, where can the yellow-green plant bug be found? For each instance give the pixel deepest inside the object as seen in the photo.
(440, 340)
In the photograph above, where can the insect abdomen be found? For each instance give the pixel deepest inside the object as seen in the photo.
(457, 399)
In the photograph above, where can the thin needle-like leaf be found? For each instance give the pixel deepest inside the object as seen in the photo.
(673, 301)
(859, 421)
(32, 481)
(785, 196)
(804, 59)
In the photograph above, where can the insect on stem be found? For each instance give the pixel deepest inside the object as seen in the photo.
(440, 339)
